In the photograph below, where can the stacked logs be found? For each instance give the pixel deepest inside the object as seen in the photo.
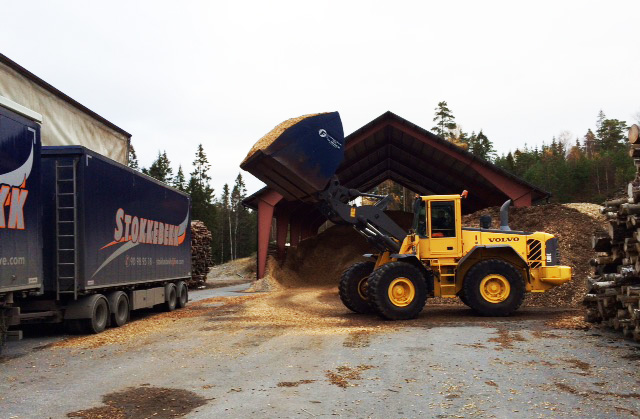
(613, 296)
(200, 253)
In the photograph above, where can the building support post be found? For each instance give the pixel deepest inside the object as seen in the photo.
(266, 205)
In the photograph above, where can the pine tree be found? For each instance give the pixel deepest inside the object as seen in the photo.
(612, 134)
(179, 181)
(133, 159)
(203, 206)
(599, 121)
(445, 122)
(481, 146)
(161, 168)
(225, 223)
(238, 194)
(590, 143)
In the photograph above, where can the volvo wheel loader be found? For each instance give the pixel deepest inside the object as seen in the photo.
(490, 270)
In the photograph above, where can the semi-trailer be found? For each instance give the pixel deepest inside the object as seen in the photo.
(83, 239)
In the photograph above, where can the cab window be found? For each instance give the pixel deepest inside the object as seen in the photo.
(443, 220)
(420, 218)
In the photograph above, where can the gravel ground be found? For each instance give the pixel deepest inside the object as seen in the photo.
(299, 353)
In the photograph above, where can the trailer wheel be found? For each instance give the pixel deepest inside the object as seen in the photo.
(120, 309)
(171, 297)
(183, 294)
(493, 288)
(397, 291)
(353, 287)
(99, 316)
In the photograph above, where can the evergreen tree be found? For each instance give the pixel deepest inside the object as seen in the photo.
(481, 146)
(225, 224)
(133, 159)
(612, 134)
(161, 168)
(590, 143)
(445, 122)
(179, 182)
(600, 121)
(243, 226)
(203, 206)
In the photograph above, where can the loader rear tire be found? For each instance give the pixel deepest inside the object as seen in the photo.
(494, 288)
(353, 287)
(397, 291)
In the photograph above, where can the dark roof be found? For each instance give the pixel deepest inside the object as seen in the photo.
(390, 147)
(37, 80)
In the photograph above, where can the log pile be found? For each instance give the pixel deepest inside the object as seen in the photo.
(200, 254)
(613, 295)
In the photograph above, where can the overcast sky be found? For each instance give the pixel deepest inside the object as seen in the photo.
(175, 74)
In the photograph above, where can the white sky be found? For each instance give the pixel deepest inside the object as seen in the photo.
(175, 74)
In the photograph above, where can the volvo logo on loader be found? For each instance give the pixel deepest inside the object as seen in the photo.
(503, 239)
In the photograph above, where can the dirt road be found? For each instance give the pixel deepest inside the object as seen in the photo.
(301, 354)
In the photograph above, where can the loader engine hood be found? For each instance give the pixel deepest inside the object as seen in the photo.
(299, 156)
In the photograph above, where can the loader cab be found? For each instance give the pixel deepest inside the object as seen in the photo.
(438, 223)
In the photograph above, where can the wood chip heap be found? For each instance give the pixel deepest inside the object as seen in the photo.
(613, 297)
(200, 254)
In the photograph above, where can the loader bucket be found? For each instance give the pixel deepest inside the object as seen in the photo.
(298, 157)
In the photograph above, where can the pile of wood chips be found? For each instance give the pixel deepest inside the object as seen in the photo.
(320, 260)
(572, 224)
(201, 259)
(614, 288)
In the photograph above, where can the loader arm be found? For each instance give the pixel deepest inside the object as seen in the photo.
(369, 220)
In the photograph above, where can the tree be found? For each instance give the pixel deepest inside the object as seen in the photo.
(481, 146)
(225, 223)
(160, 169)
(243, 233)
(590, 143)
(445, 122)
(612, 134)
(202, 195)
(133, 159)
(179, 182)
(600, 120)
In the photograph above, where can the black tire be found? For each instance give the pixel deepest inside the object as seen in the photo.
(383, 281)
(183, 294)
(463, 298)
(493, 270)
(120, 310)
(99, 317)
(171, 297)
(353, 287)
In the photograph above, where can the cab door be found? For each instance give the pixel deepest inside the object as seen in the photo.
(445, 230)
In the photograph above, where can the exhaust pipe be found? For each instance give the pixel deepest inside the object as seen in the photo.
(504, 216)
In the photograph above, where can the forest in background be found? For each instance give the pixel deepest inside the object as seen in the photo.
(590, 168)
(233, 226)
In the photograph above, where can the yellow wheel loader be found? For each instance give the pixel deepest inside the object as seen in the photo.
(490, 270)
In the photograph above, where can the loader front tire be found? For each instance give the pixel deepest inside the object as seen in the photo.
(493, 288)
(353, 287)
(397, 291)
